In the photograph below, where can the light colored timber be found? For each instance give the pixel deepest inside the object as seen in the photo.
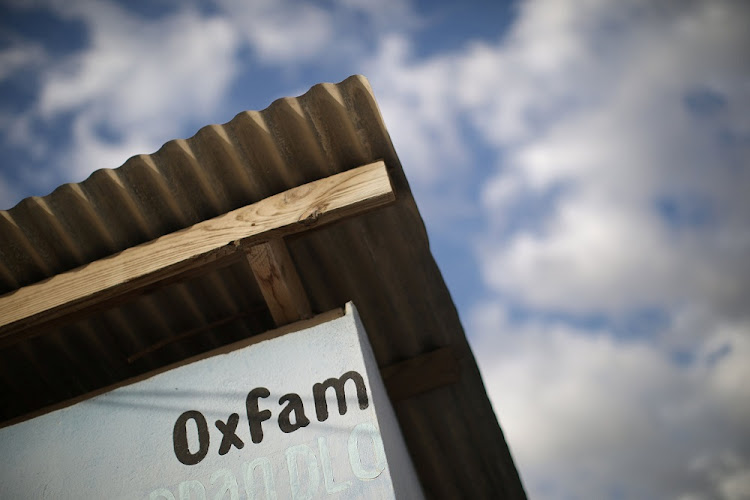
(279, 282)
(28, 309)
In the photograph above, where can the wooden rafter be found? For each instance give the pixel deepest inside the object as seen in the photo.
(279, 282)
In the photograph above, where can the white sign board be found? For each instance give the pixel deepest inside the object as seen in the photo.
(303, 415)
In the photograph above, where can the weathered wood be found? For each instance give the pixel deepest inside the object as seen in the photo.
(420, 374)
(279, 282)
(353, 192)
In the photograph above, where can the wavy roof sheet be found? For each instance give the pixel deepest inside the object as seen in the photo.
(380, 260)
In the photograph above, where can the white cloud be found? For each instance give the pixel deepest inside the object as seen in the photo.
(132, 88)
(285, 33)
(282, 32)
(138, 81)
(417, 99)
(418, 106)
(591, 105)
(616, 154)
(18, 56)
(588, 416)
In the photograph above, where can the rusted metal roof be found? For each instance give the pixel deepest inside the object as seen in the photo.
(380, 260)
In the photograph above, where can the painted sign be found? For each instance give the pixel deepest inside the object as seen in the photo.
(303, 415)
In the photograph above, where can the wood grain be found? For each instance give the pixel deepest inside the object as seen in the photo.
(279, 282)
(310, 205)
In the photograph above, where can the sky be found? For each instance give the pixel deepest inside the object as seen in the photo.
(582, 167)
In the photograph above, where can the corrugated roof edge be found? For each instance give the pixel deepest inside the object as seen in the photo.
(39, 235)
(67, 185)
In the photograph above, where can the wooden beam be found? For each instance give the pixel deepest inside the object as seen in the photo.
(26, 310)
(421, 373)
(279, 282)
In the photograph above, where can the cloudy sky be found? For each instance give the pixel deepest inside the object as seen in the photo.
(583, 168)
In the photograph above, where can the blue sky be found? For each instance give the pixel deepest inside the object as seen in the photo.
(582, 167)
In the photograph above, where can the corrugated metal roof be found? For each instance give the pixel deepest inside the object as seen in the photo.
(380, 260)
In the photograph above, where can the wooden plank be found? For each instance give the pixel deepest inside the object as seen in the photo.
(420, 374)
(353, 192)
(279, 282)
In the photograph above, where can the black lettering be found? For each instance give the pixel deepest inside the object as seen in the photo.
(229, 434)
(179, 438)
(295, 405)
(255, 417)
(319, 394)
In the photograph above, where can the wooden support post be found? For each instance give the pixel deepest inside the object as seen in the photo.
(279, 282)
